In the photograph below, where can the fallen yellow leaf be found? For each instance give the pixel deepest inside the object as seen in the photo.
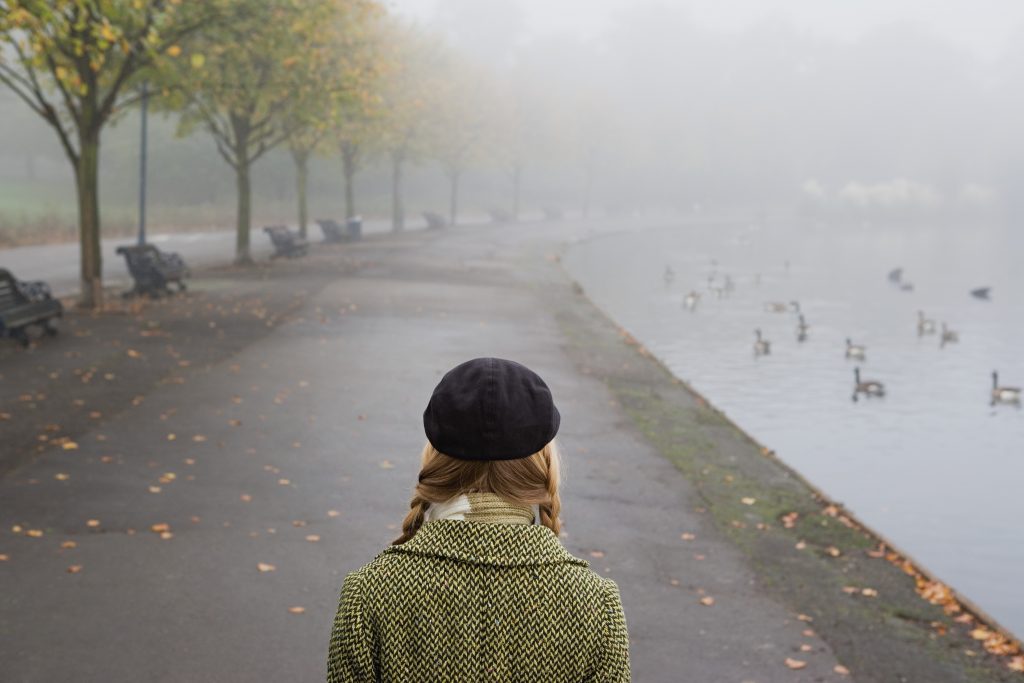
(4, 557)
(313, 538)
(795, 663)
(60, 476)
(687, 536)
(264, 567)
(333, 513)
(34, 533)
(707, 600)
(93, 523)
(841, 670)
(74, 569)
(748, 500)
(67, 545)
(160, 528)
(297, 610)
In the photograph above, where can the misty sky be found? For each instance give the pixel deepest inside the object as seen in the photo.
(986, 26)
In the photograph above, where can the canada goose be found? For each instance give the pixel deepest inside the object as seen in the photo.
(924, 325)
(691, 300)
(869, 387)
(775, 307)
(1004, 394)
(670, 274)
(762, 347)
(895, 275)
(948, 336)
(801, 329)
(981, 293)
(855, 351)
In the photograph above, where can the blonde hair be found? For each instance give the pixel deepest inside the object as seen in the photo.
(528, 481)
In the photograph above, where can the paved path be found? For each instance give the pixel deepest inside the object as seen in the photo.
(309, 428)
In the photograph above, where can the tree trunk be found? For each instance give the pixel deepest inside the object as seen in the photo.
(397, 208)
(87, 186)
(348, 162)
(453, 206)
(517, 184)
(301, 178)
(243, 256)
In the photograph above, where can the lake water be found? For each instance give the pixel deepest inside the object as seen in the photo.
(932, 465)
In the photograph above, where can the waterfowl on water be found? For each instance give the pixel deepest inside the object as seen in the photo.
(869, 388)
(855, 351)
(981, 292)
(948, 336)
(896, 275)
(691, 300)
(762, 347)
(801, 329)
(1004, 394)
(924, 325)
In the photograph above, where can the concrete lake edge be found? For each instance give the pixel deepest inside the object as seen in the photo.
(659, 403)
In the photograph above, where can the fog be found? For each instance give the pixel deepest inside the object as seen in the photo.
(835, 109)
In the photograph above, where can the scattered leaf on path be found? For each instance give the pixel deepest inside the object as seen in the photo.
(74, 569)
(313, 538)
(297, 610)
(333, 513)
(245, 498)
(264, 567)
(4, 557)
(34, 533)
(60, 476)
(68, 545)
(92, 523)
(386, 465)
(841, 670)
(748, 500)
(687, 536)
(707, 600)
(795, 663)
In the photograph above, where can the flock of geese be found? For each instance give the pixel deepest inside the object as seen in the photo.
(867, 388)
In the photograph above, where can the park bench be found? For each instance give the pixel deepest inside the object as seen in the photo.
(24, 304)
(286, 242)
(153, 270)
(333, 231)
(500, 216)
(435, 221)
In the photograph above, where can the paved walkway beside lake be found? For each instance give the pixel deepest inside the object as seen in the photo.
(187, 483)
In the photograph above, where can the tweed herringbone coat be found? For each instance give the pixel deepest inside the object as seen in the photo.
(469, 602)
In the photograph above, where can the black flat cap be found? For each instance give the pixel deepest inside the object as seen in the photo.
(490, 409)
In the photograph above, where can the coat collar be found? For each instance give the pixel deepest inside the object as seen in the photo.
(503, 545)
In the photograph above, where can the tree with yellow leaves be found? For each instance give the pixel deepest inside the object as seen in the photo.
(243, 79)
(409, 93)
(333, 81)
(458, 122)
(73, 62)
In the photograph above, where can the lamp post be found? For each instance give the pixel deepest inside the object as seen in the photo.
(142, 165)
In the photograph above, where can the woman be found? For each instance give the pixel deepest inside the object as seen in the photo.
(473, 589)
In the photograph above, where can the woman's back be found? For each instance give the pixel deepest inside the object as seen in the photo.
(478, 587)
(470, 601)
